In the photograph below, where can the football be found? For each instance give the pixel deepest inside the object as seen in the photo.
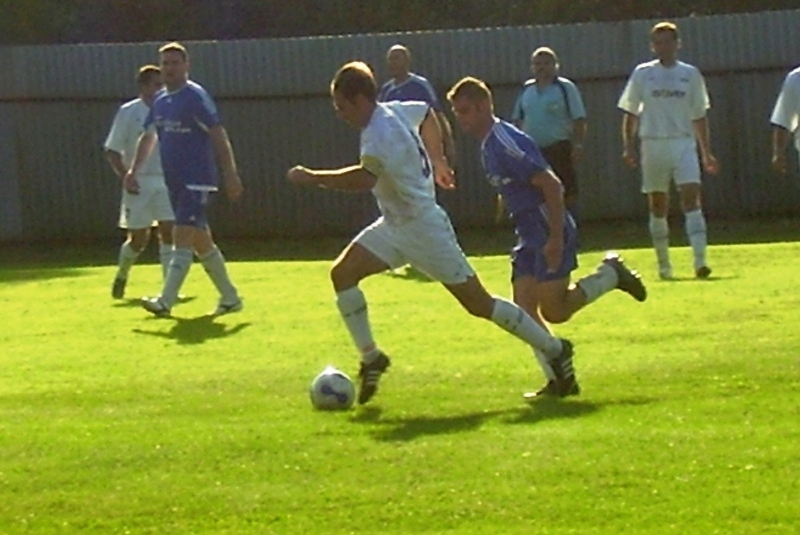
(332, 390)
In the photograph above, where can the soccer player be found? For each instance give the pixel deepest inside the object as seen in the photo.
(666, 100)
(550, 110)
(545, 253)
(406, 85)
(192, 142)
(784, 120)
(401, 156)
(151, 203)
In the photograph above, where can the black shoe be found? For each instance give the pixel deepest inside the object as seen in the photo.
(628, 280)
(565, 382)
(703, 272)
(370, 374)
(155, 306)
(118, 288)
(553, 390)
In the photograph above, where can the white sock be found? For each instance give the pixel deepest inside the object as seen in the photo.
(659, 232)
(178, 269)
(127, 257)
(352, 306)
(164, 256)
(602, 281)
(511, 318)
(214, 265)
(698, 238)
(544, 363)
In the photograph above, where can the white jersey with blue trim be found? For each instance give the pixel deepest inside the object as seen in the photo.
(128, 125)
(786, 113)
(182, 119)
(666, 99)
(392, 150)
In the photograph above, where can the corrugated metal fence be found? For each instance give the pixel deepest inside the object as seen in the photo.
(57, 102)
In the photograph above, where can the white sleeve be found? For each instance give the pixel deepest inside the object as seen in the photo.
(787, 107)
(699, 97)
(631, 98)
(116, 139)
(412, 111)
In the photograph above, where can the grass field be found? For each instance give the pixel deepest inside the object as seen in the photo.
(115, 422)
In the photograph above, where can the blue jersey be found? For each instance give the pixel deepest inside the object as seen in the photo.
(511, 159)
(415, 87)
(181, 120)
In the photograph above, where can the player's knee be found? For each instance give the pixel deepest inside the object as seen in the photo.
(343, 276)
(555, 314)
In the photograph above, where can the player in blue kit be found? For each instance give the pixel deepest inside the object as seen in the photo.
(401, 157)
(546, 250)
(192, 141)
(407, 86)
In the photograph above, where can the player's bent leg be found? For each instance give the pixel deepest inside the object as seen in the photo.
(128, 253)
(558, 301)
(525, 295)
(355, 263)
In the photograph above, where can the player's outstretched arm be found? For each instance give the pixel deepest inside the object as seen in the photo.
(352, 178)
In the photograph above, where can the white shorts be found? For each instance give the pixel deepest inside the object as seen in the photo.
(151, 204)
(666, 160)
(428, 243)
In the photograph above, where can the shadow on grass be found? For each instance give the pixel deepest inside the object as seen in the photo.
(12, 276)
(194, 330)
(404, 429)
(136, 302)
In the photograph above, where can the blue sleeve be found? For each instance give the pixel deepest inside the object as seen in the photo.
(205, 110)
(576, 107)
(425, 92)
(517, 114)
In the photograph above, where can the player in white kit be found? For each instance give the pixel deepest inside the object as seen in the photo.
(785, 120)
(666, 101)
(151, 203)
(401, 156)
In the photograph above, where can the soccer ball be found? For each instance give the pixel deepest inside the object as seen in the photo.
(332, 390)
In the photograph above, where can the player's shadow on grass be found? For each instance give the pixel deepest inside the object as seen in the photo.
(195, 330)
(133, 302)
(404, 429)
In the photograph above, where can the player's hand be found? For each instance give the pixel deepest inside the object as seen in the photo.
(444, 176)
(301, 176)
(130, 183)
(233, 186)
(710, 164)
(629, 157)
(779, 163)
(553, 251)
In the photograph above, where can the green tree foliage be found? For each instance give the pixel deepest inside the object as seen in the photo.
(65, 21)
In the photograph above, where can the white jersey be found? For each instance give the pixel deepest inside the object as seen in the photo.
(392, 150)
(128, 125)
(665, 99)
(787, 108)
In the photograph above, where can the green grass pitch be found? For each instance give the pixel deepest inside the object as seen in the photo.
(114, 422)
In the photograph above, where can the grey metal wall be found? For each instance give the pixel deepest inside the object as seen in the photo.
(56, 104)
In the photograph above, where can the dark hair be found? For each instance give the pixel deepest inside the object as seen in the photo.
(147, 73)
(355, 78)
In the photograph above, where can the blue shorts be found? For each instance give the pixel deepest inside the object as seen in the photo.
(190, 205)
(527, 258)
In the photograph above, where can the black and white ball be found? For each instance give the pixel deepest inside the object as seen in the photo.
(332, 390)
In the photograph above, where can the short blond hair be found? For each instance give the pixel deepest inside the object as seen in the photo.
(665, 26)
(175, 47)
(471, 88)
(545, 51)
